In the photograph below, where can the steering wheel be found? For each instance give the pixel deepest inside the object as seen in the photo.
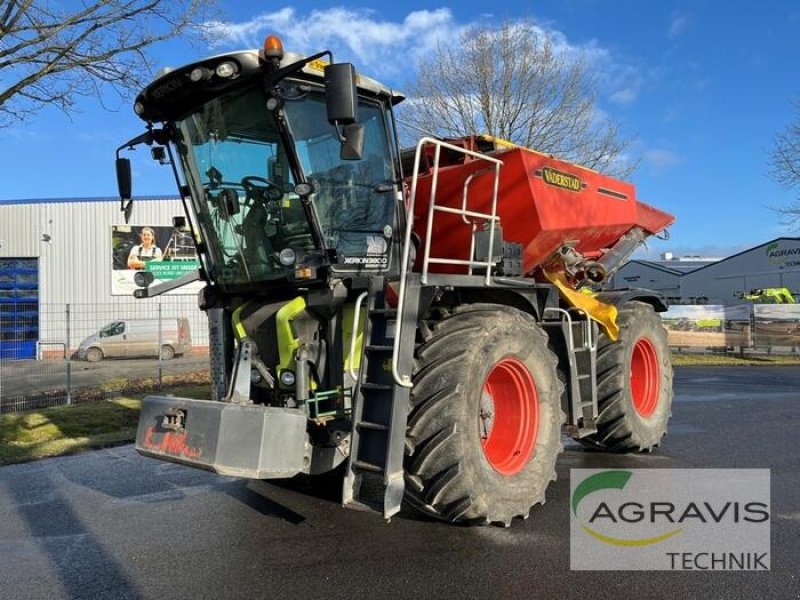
(260, 188)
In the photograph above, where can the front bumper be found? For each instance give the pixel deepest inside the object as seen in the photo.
(253, 441)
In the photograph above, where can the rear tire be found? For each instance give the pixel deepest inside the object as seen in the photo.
(484, 429)
(167, 352)
(634, 380)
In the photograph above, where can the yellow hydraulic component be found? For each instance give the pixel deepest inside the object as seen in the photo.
(349, 330)
(236, 320)
(287, 342)
(605, 314)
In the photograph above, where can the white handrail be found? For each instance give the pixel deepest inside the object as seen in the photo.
(405, 380)
(356, 317)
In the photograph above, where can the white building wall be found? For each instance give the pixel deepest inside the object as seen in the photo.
(772, 264)
(636, 274)
(72, 240)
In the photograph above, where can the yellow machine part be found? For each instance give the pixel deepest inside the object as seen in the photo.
(288, 343)
(348, 312)
(604, 314)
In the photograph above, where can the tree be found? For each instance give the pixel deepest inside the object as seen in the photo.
(51, 53)
(785, 165)
(515, 84)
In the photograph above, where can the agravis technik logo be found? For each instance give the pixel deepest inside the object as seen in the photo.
(612, 480)
(670, 519)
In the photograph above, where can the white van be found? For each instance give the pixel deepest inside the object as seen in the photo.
(134, 338)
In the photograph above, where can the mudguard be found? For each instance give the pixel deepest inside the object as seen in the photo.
(620, 297)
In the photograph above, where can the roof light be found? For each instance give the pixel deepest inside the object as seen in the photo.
(226, 69)
(198, 74)
(273, 48)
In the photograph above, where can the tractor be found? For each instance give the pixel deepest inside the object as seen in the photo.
(423, 324)
(778, 295)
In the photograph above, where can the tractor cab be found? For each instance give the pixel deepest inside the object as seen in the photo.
(289, 165)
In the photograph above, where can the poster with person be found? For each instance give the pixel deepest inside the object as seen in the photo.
(165, 252)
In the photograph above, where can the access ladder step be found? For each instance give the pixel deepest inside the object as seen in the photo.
(376, 386)
(361, 465)
(372, 426)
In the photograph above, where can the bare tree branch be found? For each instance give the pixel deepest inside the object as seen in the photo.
(514, 84)
(785, 166)
(50, 55)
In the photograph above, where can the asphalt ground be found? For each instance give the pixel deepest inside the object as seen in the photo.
(111, 524)
(21, 378)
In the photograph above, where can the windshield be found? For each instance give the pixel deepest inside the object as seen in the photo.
(353, 198)
(242, 186)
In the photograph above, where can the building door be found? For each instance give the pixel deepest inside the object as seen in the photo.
(19, 307)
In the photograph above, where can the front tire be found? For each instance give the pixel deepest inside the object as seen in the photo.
(634, 383)
(94, 355)
(484, 429)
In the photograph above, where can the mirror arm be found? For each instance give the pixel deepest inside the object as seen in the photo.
(149, 137)
(275, 76)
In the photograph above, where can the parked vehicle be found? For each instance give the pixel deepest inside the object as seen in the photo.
(135, 338)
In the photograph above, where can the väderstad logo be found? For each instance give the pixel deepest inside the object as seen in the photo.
(604, 481)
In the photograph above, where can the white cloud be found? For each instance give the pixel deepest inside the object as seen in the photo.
(661, 159)
(382, 47)
(390, 49)
(625, 95)
(679, 22)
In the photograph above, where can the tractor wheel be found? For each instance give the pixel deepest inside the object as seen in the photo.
(94, 355)
(634, 381)
(484, 429)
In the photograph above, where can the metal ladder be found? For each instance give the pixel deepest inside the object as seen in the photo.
(374, 479)
(581, 343)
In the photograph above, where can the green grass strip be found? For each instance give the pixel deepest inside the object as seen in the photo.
(61, 430)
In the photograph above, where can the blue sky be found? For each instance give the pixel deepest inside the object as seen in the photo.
(702, 85)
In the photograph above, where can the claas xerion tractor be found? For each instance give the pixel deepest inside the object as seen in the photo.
(425, 323)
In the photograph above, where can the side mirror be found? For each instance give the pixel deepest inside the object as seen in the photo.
(340, 93)
(124, 184)
(353, 144)
(124, 178)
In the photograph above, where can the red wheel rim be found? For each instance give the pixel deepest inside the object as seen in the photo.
(645, 377)
(508, 419)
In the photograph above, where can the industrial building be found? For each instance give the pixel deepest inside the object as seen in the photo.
(66, 269)
(706, 280)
